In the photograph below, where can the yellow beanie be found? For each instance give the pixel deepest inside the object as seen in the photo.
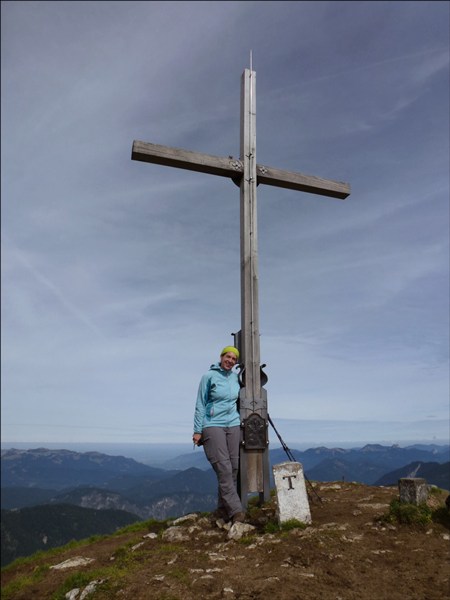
(230, 349)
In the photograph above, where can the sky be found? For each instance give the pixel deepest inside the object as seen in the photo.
(121, 279)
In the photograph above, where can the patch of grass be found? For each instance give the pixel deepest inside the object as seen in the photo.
(292, 524)
(408, 514)
(112, 576)
(168, 549)
(180, 574)
(50, 553)
(95, 538)
(274, 527)
(246, 540)
(124, 556)
(254, 500)
(271, 527)
(151, 525)
(125, 563)
(20, 583)
(253, 512)
(121, 553)
(40, 571)
(133, 528)
(257, 511)
(82, 579)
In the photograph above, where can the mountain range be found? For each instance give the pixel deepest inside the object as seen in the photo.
(365, 465)
(122, 490)
(59, 469)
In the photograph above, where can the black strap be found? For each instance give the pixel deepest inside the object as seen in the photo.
(291, 456)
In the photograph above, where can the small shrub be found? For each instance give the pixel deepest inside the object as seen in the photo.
(408, 514)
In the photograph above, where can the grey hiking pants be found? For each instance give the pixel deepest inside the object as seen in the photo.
(221, 445)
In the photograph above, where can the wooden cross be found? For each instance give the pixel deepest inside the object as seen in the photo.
(247, 174)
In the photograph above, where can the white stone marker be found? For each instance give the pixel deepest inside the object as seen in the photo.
(292, 499)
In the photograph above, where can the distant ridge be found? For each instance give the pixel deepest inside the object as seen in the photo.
(62, 469)
(366, 464)
(435, 473)
(58, 469)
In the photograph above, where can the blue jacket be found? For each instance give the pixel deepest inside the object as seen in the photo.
(216, 399)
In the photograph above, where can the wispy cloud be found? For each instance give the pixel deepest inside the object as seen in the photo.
(19, 259)
(121, 279)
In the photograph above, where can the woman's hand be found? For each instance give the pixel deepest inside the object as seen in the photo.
(196, 438)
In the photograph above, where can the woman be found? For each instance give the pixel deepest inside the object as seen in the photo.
(217, 428)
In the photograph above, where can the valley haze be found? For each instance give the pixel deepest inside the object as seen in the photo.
(156, 454)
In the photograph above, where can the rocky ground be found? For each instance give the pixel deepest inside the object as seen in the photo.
(347, 553)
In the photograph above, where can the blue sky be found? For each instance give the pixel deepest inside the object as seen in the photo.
(120, 279)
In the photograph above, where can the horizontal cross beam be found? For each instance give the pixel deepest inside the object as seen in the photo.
(233, 168)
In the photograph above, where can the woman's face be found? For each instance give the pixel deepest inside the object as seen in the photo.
(228, 360)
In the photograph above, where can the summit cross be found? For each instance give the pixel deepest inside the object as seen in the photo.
(247, 174)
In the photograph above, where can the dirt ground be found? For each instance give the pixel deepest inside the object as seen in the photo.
(347, 553)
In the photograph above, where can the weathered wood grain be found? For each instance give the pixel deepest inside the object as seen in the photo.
(186, 159)
(233, 168)
(302, 183)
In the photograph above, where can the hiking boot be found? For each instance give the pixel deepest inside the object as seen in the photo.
(238, 518)
(220, 513)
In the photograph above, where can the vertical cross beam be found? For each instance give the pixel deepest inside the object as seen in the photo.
(254, 454)
(254, 463)
(249, 236)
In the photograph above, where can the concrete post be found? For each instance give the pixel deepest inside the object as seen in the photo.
(413, 490)
(292, 498)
